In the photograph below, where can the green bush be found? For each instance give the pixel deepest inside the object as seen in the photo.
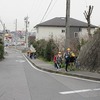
(40, 46)
(1, 51)
(45, 49)
(51, 49)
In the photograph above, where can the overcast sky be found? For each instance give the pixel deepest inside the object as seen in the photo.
(10, 10)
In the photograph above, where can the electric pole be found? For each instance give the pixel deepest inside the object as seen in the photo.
(16, 25)
(16, 33)
(67, 33)
(26, 32)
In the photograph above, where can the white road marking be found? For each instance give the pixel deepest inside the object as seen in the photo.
(81, 79)
(79, 91)
(68, 92)
(21, 61)
(34, 66)
(60, 74)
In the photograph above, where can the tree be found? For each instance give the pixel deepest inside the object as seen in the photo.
(89, 56)
(97, 31)
(1, 41)
(40, 46)
(87, 16)
(1, 49)
(60, 43)
(75, 45)
(45, 49)
(31, 39)
(50, 50)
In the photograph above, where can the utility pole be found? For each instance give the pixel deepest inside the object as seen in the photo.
(16, 26)
(16, 33)
(26, 32)
(67, 33)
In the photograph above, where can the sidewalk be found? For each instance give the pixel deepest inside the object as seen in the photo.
(50, 68)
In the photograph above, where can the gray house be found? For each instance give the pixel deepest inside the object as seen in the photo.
(56, 27)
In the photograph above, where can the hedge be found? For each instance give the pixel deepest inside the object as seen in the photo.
(1, 51)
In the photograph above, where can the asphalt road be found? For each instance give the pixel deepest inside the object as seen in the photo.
(19, 80)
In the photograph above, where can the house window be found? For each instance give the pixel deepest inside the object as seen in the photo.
(76, 34)
(63, 31)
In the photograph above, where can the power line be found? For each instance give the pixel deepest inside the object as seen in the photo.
(36, 5)
(35, 8)
(38, 9)
(51, 8)
(47, 10)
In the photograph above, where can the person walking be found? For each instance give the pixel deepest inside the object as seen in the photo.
(67, 58)
(55, 60)
(59, 60)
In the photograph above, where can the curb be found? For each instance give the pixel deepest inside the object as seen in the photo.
(63, 73)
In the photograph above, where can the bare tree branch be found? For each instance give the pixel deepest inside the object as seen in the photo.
(87, 16)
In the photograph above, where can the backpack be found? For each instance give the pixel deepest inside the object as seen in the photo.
(72, 54)
(59, 59)
(67, 55)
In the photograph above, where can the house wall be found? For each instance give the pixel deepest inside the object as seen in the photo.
(57, 32)
(47, 32)
(84, 33)
(73, 30)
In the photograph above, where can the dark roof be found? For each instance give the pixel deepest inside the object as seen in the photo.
(60, 22)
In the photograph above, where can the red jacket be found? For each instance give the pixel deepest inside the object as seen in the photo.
(55, 59)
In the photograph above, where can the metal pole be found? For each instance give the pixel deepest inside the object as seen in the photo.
(26, 33)
(67, 33)
(16, 26)
(16, 33)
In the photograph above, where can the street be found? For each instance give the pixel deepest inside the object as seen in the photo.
(20, 80)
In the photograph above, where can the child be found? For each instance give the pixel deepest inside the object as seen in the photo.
(55, 61)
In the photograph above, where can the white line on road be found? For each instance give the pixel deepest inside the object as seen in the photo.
(79, 91)
(21, 61)
(61, 74)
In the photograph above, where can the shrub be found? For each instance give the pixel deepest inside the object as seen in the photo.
(51, 49)
(1, 51)
(40, 46)
(45, 49)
